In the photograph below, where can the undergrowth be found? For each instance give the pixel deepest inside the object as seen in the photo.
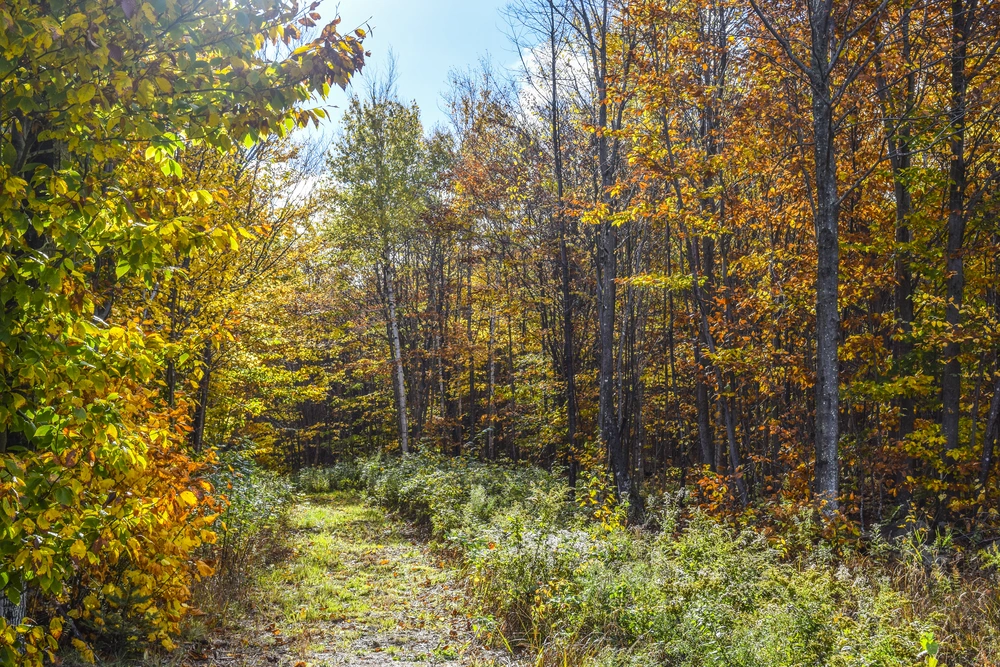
(253, 524)
(565, 579)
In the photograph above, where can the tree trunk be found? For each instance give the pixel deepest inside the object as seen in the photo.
(491, 453)
(828, 263)
(898, 133)
(472, 357)
(399, 379)
(951, 379)
(198, 425)
(702, 406)
(990, 438)
(569, 346)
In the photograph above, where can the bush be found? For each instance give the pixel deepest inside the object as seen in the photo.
(547, 576)
(107, 556)
(257, 505)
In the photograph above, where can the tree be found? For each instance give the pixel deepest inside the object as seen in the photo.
(832, 35)
(379, 177)
(605, 42)
(96, 100)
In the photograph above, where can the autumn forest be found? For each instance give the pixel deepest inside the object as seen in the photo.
(703, 295)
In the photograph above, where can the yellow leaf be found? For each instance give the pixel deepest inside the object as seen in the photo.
(84, 650)
(78, 550)
(204, 569)
(86, 93)
(189, 498)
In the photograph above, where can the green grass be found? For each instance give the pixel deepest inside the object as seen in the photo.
(348, 582)
(349, 565)
(356, 583)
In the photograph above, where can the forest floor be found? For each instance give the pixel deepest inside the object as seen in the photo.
(356, 588)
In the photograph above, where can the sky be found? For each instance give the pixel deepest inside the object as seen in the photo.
(429, 38)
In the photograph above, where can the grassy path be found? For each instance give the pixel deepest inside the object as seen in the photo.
(356, 589)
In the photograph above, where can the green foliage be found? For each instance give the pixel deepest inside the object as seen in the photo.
(450, 495)
(549, 577)
(258, 504)
(102, 510)
(343, 476)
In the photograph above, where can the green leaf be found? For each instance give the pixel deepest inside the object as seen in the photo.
(64, 495)
(13, 468)
(13, 593)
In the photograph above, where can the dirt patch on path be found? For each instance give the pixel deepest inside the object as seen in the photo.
(356, 589)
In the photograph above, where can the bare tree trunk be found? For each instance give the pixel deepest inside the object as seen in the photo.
(828, 261)
(593, 23)
(990, 438)
(569, 346)
(826, 210)
(512, 379)
(726, 408)
(705, 443)
(993, 419)
(898, 137)
(472, 357)
(491, 453)
(951, 379)
(399, 379)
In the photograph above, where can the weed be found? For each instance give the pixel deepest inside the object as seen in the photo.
(572, 585)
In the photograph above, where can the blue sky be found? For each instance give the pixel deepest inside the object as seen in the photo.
(429, 38)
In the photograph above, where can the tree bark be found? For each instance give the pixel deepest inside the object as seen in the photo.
(826, 210)
(569, 345)
(594, 24)
(898, 134)
(198, 423)
(828, 262)
(990, 438)
(702, 406)
(491, 453)
(951, 379)
(399, 378)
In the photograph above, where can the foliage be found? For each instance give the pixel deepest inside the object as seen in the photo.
(257, 504)
(613, 262)
(345, 476)
(106, 110)
(443, 493)
(549, 577)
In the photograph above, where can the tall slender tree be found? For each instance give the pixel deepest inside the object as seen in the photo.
(378, 179)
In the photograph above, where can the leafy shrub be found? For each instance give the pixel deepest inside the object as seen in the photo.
(451, 494)
(547, 576)
(257, 504)
(106, 537)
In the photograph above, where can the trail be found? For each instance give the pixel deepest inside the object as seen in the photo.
(357, 589)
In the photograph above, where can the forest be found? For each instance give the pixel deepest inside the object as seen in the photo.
(679, 342)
